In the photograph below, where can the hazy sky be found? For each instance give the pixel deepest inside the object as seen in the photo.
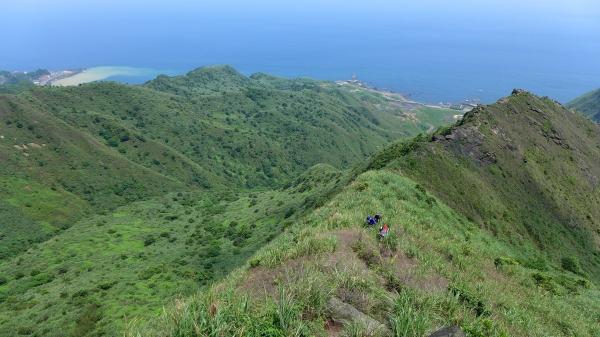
(579, 12)
(43, 24)
(28, 20)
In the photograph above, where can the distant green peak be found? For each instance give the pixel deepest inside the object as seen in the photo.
(216, 69)
(258, 76)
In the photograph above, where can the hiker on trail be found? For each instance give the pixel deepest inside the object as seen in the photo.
(377, 217)
(371, 222)
(383, 231)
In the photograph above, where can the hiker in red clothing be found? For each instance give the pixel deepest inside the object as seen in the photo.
(383, 231)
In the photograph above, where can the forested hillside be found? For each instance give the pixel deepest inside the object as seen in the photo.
(90, 148)
(116, 198)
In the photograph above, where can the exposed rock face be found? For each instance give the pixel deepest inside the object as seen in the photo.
(449, 331)
(344, 311)
(467, 142)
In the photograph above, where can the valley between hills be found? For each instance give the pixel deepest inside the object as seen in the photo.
(218, 204)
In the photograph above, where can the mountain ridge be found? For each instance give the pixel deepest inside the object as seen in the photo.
(514, 169)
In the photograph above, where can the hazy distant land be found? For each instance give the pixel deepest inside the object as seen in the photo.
(71, 77)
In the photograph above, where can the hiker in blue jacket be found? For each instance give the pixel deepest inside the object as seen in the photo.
(371, 222)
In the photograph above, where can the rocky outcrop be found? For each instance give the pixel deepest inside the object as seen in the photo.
(449, 331)
(346, 312)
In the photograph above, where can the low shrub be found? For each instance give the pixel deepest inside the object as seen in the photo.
(24, 330)
(537, 263)
(469, 299)
(546, 282)
(571, 263)
(151, 271)
(80, 294)
(505, 261)
(39, 279)
(362, 186)
(106, 285)
(149, 240)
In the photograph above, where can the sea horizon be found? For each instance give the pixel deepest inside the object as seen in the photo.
(137, 76)
(430, 52)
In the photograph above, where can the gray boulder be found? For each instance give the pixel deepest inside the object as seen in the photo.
(449, 331)
(346, 312)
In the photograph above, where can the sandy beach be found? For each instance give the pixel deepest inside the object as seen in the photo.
(102, 73)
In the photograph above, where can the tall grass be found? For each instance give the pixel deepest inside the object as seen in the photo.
(408, 317)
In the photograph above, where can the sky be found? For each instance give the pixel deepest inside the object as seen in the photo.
(28, 22)
(32, 16)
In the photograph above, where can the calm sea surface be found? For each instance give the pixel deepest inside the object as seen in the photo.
(435, 56)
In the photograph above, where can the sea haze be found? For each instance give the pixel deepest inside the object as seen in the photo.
(436, 53)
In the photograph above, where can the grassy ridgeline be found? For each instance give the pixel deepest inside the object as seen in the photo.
(525, 169)
(436, 268)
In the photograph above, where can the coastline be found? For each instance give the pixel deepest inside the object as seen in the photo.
(403, 99)
(86, 75)
(104, 72)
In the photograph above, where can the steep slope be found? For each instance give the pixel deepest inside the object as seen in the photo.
(525, 169)
(54, 174)
(73, 156)
(588, 104)
(434, 269)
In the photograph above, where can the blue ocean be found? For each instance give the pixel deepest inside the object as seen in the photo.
(431, 51)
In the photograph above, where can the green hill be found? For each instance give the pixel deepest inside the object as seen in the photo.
(54, 174)
(588, 104)
(73, 151)
(213, 80)
(492, 229)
